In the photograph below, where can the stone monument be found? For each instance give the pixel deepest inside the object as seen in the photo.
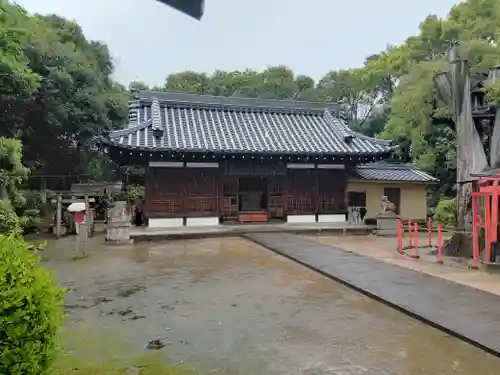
(118, 227)
(386, 219)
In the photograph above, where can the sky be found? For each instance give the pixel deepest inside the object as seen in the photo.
(149, 40)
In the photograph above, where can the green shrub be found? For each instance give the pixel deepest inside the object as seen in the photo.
(446, 212)
(9, 221)
(30, 311)
(18, 201)
(30, 221)
(27, 205)
(132, 193)
(33, 199)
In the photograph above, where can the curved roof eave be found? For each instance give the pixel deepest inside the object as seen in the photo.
(130, 129)
(110, 142)
(383, 142)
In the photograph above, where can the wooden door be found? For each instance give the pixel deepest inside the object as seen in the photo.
(201, 192)
(229, 198)
(301, 191)
(276, 197)
(165, 192)
(394, 195)
(331, 187)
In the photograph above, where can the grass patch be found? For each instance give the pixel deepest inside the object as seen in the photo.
(91, 351)
(69, 364)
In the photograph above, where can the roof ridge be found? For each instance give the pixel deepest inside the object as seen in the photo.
(146, 96)
(131, 129)
(156, 115)
(386, 165)
(387, 142)
(338, 123)
(348, 133)
(133, 112)
(424, 174)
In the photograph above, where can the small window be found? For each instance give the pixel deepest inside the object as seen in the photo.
(356, 199)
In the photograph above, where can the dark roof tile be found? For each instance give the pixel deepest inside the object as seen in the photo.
(196, 123)
(391, 172)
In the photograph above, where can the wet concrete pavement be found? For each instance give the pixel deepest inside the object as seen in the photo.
(455, 270)
(229, 306)
(466, 312)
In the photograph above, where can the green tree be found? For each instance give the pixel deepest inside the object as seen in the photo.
(188, 82)
(12, 170)
(17, 82)
(12, 174)
(56, 89)
(138, 85)
(77, 98)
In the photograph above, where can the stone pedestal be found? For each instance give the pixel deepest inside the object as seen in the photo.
(387, 224)
(118, 227)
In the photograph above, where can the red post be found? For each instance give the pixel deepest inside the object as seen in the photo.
(440, 244)
(494, 212)
(400, 236)
(487, 229)
(429, 232)
(415, 240)
(475, 230)
(410, 230)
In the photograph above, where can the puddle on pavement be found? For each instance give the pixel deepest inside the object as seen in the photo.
(228, 306)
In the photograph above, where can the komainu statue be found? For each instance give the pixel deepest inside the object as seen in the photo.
(386, 205)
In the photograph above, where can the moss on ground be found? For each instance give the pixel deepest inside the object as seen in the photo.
(88, 351)
(69, 364)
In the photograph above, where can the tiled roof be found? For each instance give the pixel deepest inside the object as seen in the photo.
(488, 172)
(161, 121)
(391, 172)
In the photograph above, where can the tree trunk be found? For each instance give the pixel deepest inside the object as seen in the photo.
(493, 76)
(495, 142)
(454, 88)
(470, 150)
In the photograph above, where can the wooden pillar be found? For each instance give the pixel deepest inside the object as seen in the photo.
(147, 195)
(88, 217)
(316, 180)
(58, 215)
(218, 181)
(285, 193)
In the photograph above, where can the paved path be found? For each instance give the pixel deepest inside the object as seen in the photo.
(188, 232)
(467, 313)
(383, 248)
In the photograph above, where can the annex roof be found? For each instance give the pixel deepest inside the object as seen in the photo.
(383, 171)
(160, 121)
(488, 172)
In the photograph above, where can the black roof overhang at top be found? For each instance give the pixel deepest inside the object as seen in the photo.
(193, 8)
(128, 152)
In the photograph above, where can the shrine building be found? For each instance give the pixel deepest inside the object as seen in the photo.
(213, 160)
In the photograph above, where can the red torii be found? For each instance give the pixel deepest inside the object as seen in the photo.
(487, 187)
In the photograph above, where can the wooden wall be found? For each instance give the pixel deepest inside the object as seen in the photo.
(312, 191)
(198, 192)
(179, 192)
